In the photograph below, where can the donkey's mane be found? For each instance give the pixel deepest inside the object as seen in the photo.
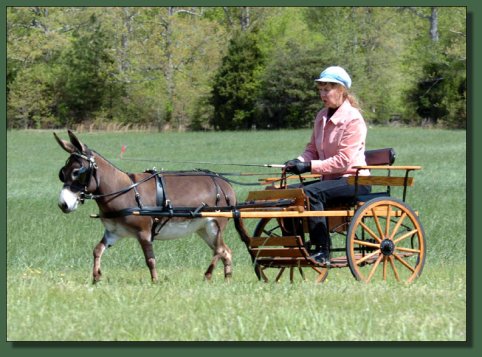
(108, 161)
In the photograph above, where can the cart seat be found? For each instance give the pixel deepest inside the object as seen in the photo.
(369, 196)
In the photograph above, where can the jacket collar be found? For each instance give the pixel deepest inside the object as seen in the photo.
(338, 115)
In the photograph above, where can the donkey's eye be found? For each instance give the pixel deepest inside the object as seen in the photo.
(75, 174)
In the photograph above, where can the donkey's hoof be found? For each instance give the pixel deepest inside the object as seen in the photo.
(96, 278)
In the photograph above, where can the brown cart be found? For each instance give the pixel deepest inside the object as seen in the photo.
(376, 235)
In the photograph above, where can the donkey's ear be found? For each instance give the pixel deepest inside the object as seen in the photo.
(65, 145)
(76, 142)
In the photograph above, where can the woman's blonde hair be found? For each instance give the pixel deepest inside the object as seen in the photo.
(352, 99)
(350, 96)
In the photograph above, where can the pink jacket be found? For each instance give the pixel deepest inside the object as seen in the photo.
(337, 144)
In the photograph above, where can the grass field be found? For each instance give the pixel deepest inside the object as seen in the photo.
(49, 254)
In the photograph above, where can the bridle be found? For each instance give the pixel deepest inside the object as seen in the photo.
(84, 174)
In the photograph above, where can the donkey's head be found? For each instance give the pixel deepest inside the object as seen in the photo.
(78, 174)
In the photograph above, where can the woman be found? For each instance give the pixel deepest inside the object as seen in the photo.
(337, 145)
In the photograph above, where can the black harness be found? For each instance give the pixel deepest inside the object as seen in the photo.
(164, 209)
(164, 203)
(163, 212)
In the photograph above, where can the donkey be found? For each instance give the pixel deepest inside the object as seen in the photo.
(87, 174)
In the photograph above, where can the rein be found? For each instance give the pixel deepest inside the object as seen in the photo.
(222, 174)
(153, 174)
(93, 166)
(276, 166)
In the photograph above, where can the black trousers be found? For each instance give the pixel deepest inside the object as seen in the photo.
(323, 193)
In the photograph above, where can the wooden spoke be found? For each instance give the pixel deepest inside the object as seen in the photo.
(321, 277)
(408, 250)
(367, 244)
(385, 264)
(318, 270)
(406, 235)
(368, 256)
(395, 271)
(397, 226)
(370, 232)
(408, 266)
(377, 222)
(375, 266)
(387, 227)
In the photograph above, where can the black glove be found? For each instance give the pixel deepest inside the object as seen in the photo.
(298, 167)
(291, 163)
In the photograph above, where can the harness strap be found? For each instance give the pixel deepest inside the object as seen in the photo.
(164, 201)
(192, 212)
(134, 187)
(160, 195)
(165, 204)
(226, 197)
(120, 192)
(218, 197)
(116, 214)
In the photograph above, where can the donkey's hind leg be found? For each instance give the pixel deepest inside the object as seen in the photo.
(212, 235)
(225, 253)
(146, 244)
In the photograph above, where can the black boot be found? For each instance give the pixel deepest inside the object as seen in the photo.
(322, 256)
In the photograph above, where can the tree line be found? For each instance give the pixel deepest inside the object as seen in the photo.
(229, 68)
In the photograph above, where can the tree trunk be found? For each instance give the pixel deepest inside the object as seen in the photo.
(434, 24)
(244, 18)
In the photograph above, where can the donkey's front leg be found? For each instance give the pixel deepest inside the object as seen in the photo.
(146, 245)
(98, 251)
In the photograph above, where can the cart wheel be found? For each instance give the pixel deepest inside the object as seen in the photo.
(274, 227)
(385, 234)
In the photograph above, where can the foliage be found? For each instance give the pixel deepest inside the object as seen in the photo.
(441, 96)
(31, 108)
(289, 98)
(155, 66)
(438, 93)
(237, 84)
(87, 82)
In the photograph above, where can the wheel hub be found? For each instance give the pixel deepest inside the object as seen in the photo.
(387, 247)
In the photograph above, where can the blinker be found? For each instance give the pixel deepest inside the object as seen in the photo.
(61, 175)
(83, 176)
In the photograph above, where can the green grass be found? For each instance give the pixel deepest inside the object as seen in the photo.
(53, 305)
(49, 256)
